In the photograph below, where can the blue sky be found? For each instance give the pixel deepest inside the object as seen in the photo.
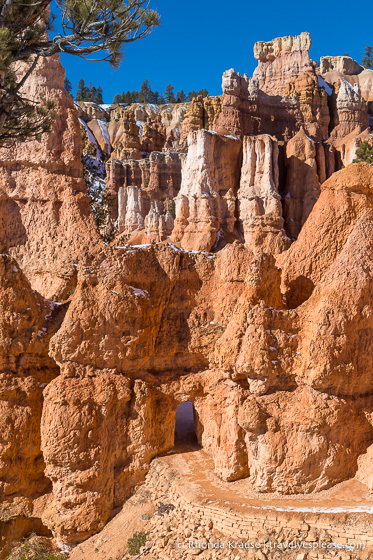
(199, 39)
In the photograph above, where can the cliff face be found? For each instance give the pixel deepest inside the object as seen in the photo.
(282, 60)
(27, 323)
(264, 374)
(45, 215)
(240, 280)
(205, 204)
(259, 207)
(283, 94)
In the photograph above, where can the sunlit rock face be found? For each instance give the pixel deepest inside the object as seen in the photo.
(44, 209)
(205, 205)
(281, 61)
(283, 95)
(259, 203)
(240, 280)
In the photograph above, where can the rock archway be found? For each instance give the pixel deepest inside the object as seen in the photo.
(185, 427)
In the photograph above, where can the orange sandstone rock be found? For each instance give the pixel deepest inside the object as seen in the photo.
(259, 202)
(205, 205)
(345, 198)
(43, 193)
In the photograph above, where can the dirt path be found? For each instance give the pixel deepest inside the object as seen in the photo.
(111, 542)
(196, 481)
(197, 469)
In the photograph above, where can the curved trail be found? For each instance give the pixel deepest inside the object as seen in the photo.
(197, 469)
(197, 483)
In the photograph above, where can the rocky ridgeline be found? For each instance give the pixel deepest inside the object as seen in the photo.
(240, 279)
(315, 118)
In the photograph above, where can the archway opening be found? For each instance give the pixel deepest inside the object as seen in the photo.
(185, 428)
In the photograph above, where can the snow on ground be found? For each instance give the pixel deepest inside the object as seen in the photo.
(322, 83)
(105, 133)
(139, 292)
(91, 137)
(140, 124)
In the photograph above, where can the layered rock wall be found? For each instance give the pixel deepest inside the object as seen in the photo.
(259, 202)
(44, 208)
(145, 190)
(282, 60)
(205, 205)
(149, 219)
(350, 112)
(247, 110)
(159, 175)
(306, 170)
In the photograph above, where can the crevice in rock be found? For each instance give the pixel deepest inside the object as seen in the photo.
(299, 291)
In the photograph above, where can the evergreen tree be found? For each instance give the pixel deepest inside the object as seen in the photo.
(80, 90)
(67, 85)
(92, 96)
(89, 93)
(155, 98)
(181, 97)
(86, 94)
(169, 94)
(88, 27)
(192, 94)
(364, 153)
(100, 92)
(133, 97)
(367, 60)
(145, 93)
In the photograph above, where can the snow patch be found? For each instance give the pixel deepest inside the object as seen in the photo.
(105, 133)
(323, 84)
(339, 509)
(91, 137)
(313, 141)
(140, 124)
(139, 292)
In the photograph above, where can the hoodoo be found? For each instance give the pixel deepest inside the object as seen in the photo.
(227, 282)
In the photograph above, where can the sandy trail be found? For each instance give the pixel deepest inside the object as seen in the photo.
(198, 482)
